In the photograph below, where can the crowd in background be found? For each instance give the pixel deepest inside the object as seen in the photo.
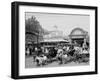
(38, 50)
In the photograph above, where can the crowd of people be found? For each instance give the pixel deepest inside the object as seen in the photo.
(43, 55)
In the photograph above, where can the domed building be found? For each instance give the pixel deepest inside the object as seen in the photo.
(78, 36)
(53, 38)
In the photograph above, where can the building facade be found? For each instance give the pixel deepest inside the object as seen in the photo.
(54, 38)
(79, 36)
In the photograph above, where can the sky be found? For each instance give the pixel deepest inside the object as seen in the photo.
(64, 22)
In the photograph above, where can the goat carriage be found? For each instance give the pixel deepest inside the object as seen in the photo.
(62, 56)
(47, 56)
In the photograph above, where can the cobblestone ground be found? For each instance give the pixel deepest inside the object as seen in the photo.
(29, 63)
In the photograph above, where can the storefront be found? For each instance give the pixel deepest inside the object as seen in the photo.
(79, 36)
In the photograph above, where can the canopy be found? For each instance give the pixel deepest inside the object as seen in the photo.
(55, 40)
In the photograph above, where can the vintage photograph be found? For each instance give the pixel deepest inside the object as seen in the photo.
(52, 40)
(55, 40)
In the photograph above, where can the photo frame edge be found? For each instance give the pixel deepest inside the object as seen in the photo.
(15, 42)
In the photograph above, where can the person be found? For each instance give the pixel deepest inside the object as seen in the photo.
(79, 50)
(84, 44)
(28, 51)
(43, 50)
(85, 51)
(71, 50)
(46, 51)
(64, 47)
(53, 52)
(59, 54)
(36, 50)
(60, 50)
(67, 48)
(39, 51)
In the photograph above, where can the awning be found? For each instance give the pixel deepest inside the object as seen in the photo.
(54, 40)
